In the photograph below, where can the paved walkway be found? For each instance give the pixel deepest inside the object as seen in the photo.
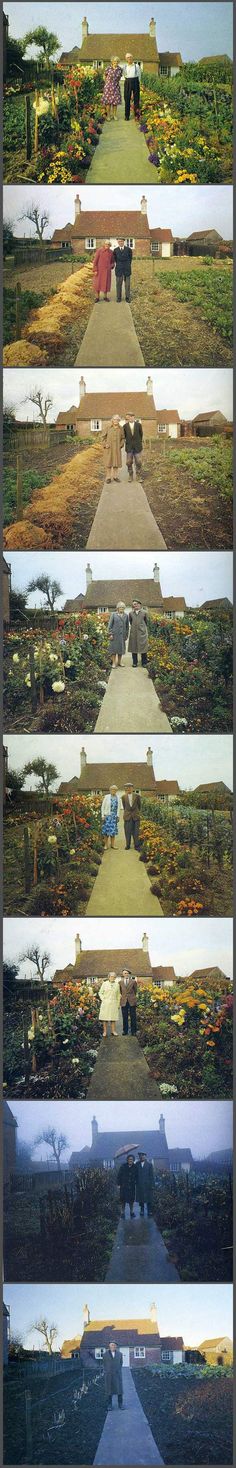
(126, 1437)
(110, 338)
(139, 1254)
(123, 518)
(122, 888)
(122, 155)
(121, 1072)
(130, 704)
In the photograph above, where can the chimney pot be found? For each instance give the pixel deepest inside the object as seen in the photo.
(78, 947)
(89, 576)
(162, 1125)
(156, 574)
(153, 1313)
(149, 386)
(85, 29)
(149, 756)
(83, 759)
(143, 204)
(145, 943)
(82, 388)
(152, 26)
(77, 205)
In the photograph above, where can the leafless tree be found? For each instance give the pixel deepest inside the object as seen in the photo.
(42, 403)
(40, 221)
(40, 960)
(48, 1332)
(56, 1140)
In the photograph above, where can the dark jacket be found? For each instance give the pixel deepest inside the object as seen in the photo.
(126, 1182)
(132, 811)
(123, 260)
(144, 1180)
(113, 1373)
(128, 991)
(133, 441)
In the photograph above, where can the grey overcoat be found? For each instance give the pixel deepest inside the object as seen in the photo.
(119, 627)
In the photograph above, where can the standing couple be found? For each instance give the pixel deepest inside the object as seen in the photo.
(115, 438)
(134, 622)
(111, 809)
(115, 994)
(136, 1183)
(107, 259)
(111, 96)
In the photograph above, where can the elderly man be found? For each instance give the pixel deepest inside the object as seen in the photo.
(133, 436)
(128, 999)
(122, 255)
(112, 1365)
(131, 74)
(126, 1184)
(138, 637)
(145, 1183)
(131, 802)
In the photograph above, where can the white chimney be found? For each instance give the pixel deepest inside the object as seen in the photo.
(86, 1315)
(77, 205)
(82, 388)
(152, 27)
(89, 576)
(145, 943)
(78, 947)
(143, 205)
(83, 760)
(85, 29)
(156, 574)
(153, 1314)
(149, 756)
(149, 387)
(162, 1125)
(94, 1129)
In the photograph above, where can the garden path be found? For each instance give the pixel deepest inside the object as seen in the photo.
(121, 1072)
(139, 1254)
(110, 338)
(131, 704)
(122, 888)
(126, 1437)
(123, 518)
(122, 155)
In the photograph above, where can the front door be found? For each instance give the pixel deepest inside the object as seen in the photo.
(125, 1355)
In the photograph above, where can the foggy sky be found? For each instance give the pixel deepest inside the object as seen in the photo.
(195, 1311)
(205, 1126)
(183, 942)
(191, 760)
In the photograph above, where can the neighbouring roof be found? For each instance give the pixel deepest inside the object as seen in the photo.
(205, 417)
(166, 974)
(170, 58)
(199, 234)
(5, 1309)
(167, 787)
(213, 785)
(6, 567)
(214, 971)
(104, 404)
(63, 233)
(180, 1154)
(165, 236)
(100, 777)
(96, 964)
(167, 415)
(216, 601)
(103, 47)
(174, 604)
(217, 1340)
(68, 417)
(172, 1343)
(107, 1144)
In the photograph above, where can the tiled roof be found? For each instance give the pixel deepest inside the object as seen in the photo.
(204, 417)
(172, 1343)
(212, 785)
(174, 604)
(70, 416)
(100, 777)
(167, 787)
(124, 1332)
(102, 223)
(102, 47)
(164, 235)
(164, 974)
(62, 234)
(202, 973)
(98, 963)
(108, 593)
(167, 415)
(104, 404)
(170, 58)
(199, 234)
(182, 1154)
(108, 1144)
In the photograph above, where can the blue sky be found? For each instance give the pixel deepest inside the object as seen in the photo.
(181, 209)
(191, 760)
(196, 1312)
(191, 575)
(209, 33)
(205, 1126)
(185, 943)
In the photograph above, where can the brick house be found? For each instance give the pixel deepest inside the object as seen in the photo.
(92, 227)
(172, 1350)
(167, 789)
(104, 595)
(218, 1351)
(97, 50)
(139, 1341)
(96, 963)
(99, 777)
(106, 1147)
(95, 411)
(162, 243)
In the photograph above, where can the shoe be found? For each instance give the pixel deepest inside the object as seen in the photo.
(116, 479)
(132, 1215)
(97, 298)
(109, 481)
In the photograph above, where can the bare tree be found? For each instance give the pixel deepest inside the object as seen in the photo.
(40, 960)
(40, 221)
(50, 589)
(48, 1332)
(42, 403)
(56, 1140)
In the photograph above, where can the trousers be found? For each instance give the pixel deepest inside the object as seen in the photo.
(131, 88)
(119, 284)
(129, 1009)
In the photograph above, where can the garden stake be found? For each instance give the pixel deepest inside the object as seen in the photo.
(28, 137)
(28, 1427)
(19, 502)
(36, 123)
(27, 860)
(33, 690)
(18, 311)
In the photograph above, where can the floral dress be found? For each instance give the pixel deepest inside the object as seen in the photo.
(110, 822)
(112, 93)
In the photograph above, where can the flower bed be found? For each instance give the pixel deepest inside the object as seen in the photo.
(71, 668)
(187, 122)
(68, 129)
(62, 1043)
(62, 1236)
(186, 1032)
(64, 849)
(190, 662)
(188, 853)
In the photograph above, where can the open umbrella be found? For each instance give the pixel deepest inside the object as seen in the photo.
(132, 1147)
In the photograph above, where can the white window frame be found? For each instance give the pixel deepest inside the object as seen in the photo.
(96, 425)
(162, 427)
(90, 242)
(155, 247)
(139, 1353)
(166, 1355)
(131, 242)
(99, 1352)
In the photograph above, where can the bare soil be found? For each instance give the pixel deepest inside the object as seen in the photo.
(192, 514)
(170, 332)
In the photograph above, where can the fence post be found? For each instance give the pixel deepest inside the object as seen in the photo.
(28, 1426)
(33, 690)
(36, 122)
(28, 139)
(27, 863)
(18, 311)
(19, 501)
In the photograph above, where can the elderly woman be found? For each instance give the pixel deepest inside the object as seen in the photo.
(113, 441)
(102, 267)
(110, 815)
(109, 994)
(118, 628)
(138, 637)
(111, 95)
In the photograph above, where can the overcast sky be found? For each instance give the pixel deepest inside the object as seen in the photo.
(190, 392)
(191, 760)
(185, 943)
(194, 576)
(195, 1311)
(205, 1126)
(201, 206)
(210, 31)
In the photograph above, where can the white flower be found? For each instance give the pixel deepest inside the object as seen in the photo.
(58, 686)
(53, 657)
(74, 1061)
(85, 637)
(52, 840)
(68, 663)
(72, 851)
(28, 680)
(15, 658)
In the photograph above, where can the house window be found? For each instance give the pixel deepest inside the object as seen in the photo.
(162, 428)
(90, 243)
(166, 1355)
(99, 1353)
(139, 1353)
(96, 425)
(155, 247)
(131, 243)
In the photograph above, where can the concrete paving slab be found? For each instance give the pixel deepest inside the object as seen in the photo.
(121, 1072)
(130, 704)
(122, 155)
(123, 518)
(126, 1438)
(122, 888)
(139, 1254)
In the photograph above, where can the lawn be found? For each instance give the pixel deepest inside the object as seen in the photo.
(63, 1233)
(172, 302)
(75, 1433)
(64, 688)
(189, 487)
(190, 1413)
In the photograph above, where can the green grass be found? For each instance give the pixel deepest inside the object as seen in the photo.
(29, 300)
(30, 480)
(209, 292)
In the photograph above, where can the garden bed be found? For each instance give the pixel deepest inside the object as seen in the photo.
(187, 121)
(186, 1032)
(173, 303)
(80, 1428)
(52, 855)
(64, 688)
(188, 854)
(190, 662)
(190, 1413)
(61, 516)
(69, 127)
(56, 328)
(194, 1215)
(64, 1234)
(189, 488)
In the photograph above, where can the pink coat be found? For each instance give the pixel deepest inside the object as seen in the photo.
(102, 268)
